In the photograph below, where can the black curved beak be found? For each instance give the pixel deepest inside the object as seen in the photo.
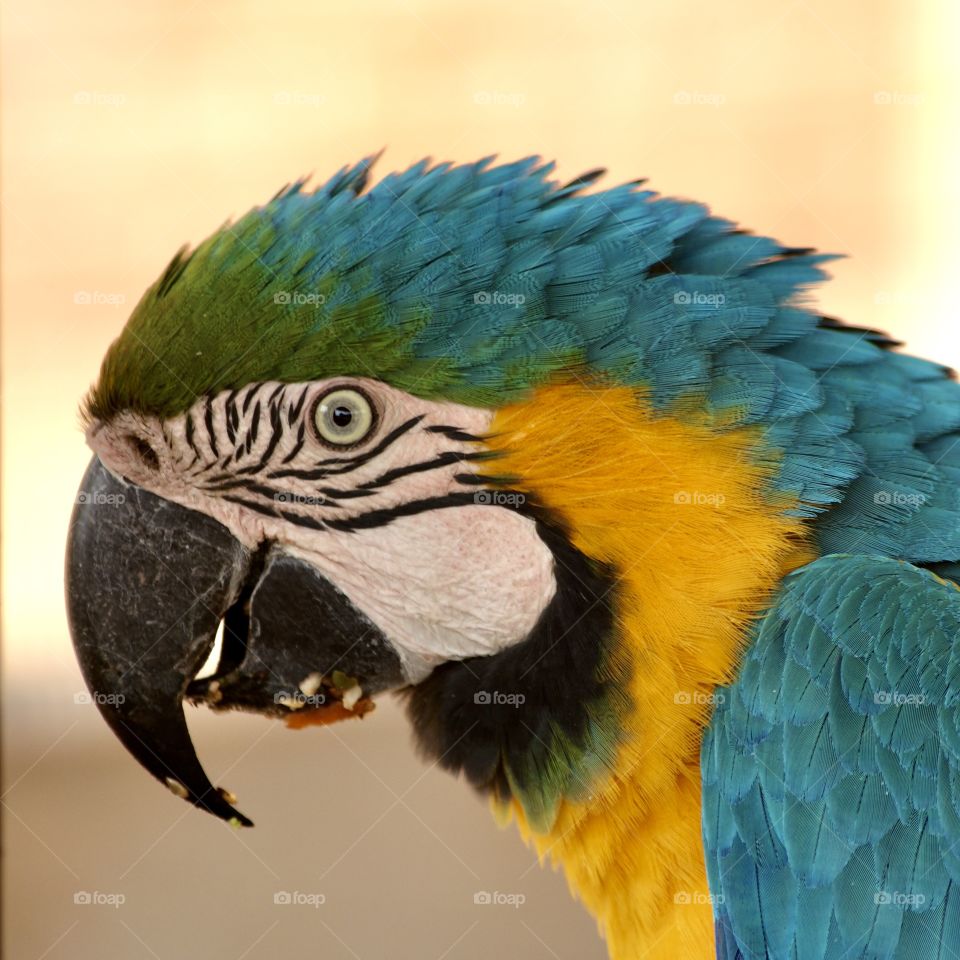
(148, 582)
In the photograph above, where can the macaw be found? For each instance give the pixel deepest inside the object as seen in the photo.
(660, 559)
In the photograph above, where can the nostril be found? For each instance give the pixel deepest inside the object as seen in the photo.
(146, 454)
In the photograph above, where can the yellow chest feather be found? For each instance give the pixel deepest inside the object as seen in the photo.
(682, 511)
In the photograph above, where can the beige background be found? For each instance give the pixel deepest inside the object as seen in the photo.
(131, 128)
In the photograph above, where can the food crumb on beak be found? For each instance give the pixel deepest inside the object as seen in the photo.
(177, 788)
(351, 695)
(310, 684)
(231, 798)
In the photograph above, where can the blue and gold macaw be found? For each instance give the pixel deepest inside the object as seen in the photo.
(660, 559)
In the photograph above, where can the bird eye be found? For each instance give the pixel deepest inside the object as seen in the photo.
(344, 417)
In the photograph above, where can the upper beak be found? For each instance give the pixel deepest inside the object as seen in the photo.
(148, 582)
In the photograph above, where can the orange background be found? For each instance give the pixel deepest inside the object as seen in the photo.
(129, 129)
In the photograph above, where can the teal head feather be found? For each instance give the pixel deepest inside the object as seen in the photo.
(472, 283)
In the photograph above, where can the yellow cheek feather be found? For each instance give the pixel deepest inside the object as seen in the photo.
(684, 513)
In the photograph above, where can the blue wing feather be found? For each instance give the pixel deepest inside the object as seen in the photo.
(833, 768)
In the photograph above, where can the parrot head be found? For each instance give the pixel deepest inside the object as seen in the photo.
(499, 444)
(291, 435)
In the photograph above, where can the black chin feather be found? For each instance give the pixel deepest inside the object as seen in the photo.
(468, 715)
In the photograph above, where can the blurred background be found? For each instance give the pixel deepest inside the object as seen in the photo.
(128, 129)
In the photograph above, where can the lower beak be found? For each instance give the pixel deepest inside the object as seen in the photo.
(148, 582)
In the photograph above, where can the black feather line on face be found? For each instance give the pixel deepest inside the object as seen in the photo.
(444, 459)
(293, 414)
(276, 432)
(557, 670)
(208, 423)
(189, 431)
(298, 446)
(232, 417)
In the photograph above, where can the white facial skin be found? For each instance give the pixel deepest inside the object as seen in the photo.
(442, 583)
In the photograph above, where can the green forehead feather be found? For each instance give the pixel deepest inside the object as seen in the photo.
(471, 283)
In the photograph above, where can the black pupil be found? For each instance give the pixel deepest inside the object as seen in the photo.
(342, 416)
